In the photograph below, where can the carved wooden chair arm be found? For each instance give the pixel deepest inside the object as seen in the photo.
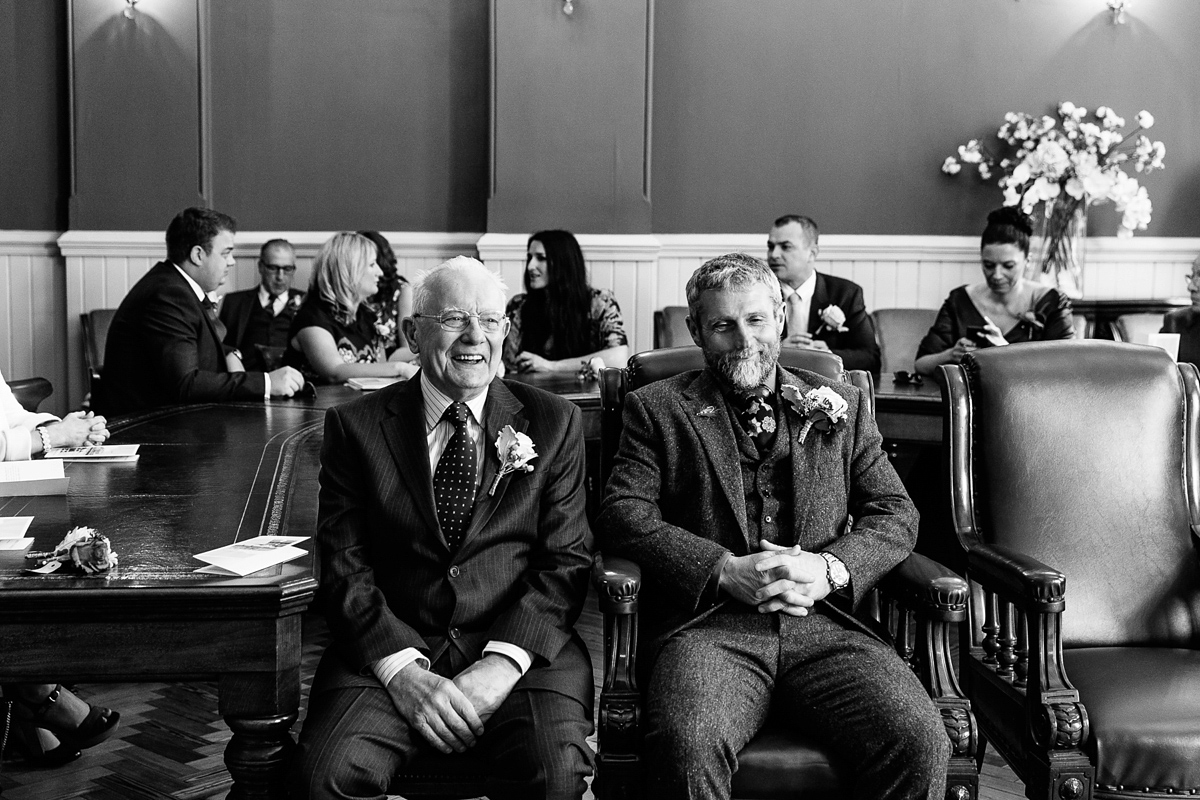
(927, 588)
(618, 582)
(1020, 579)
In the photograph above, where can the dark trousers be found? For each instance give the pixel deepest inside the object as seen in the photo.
(714, 684)
(354, 742)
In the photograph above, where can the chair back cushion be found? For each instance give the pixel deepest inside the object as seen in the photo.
(670, 327)
(95, 333)
(1084, 456)
(1136, 328)
(899, 331)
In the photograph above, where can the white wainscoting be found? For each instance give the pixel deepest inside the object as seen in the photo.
(47, 281)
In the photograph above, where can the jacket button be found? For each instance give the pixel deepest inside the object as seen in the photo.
(768, 518)
(454, 572)
(454, 633)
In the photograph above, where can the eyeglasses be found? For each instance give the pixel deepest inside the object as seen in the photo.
(903, 376)
(279, 269)
(457, 321)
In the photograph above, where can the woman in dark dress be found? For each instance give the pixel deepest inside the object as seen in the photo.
(334, 336)
(561, 321)
(1186, 321)
(1004, 308)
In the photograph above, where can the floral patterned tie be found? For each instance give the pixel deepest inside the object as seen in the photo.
(454, 480)
(757, 415)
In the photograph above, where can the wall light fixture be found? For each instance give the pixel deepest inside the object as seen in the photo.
(568, 7)
(1117, 7)
(129, 10)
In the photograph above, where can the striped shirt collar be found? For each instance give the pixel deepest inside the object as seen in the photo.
(436, 403)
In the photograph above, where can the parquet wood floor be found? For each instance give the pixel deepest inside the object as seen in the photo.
(171, 740)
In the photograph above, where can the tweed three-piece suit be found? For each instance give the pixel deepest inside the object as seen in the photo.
(676, 504)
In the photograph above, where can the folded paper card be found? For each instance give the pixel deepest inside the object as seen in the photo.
(14, 527)
(96, 453)
(370, 384)
(19, 478)
(251, 555)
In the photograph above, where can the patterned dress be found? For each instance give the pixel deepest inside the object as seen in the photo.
(357, 343)
(605, 327)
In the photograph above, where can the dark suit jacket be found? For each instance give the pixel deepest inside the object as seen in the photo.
(675, 502)
(235, 313)
(857, 345)
(1185, 322)
(162, 349)
(520, 575)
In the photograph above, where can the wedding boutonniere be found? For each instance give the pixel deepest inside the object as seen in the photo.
(1032, 318)
(834, 319)
(515, 451)
(296, 301)
(822, 408)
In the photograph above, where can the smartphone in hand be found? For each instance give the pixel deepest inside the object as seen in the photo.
(978, 334)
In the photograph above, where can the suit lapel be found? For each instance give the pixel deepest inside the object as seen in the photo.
(404, 434)
(706, 410)
(502, 408)
(820, 299)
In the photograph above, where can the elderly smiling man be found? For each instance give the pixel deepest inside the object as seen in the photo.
(455, 567)
(757, 532)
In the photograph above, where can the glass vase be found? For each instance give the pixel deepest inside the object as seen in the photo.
(1064, 244)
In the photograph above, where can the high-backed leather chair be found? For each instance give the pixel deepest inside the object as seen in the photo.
(899, 332)
(922, 600)
(670, 327)
(95, 334)
(30, 392)
(1076, 466)
(1136, 328)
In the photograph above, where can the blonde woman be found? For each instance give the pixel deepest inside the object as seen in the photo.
(334, 336)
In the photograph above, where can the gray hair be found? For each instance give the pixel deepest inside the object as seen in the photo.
(427, 282)
(730, 271)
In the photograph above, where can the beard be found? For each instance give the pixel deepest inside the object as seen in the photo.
(747, 368)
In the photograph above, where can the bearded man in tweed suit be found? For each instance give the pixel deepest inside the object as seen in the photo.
(757, 535)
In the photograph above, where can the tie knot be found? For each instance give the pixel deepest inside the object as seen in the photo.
(750, 398)
(457, 413)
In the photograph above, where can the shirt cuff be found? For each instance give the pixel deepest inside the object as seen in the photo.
(267, 393)
(388, 667)
(712, 590)
(518, 654)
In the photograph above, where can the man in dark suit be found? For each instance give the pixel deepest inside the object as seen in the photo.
(257, 320)
(757, 533)
(821, 311)
(453, 576)
(164, 344)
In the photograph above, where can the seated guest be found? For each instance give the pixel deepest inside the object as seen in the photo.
(257, 320)
(1186, 321)
(821, 312)
(165, 342)
(1003, 308)
(393, 302)
(757, 534)
(451, 608)
(334, 336)
(24, 434)
(560, 321)
(76, 725)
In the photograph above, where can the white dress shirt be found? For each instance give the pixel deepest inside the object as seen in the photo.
(437, 436)
(264, 297)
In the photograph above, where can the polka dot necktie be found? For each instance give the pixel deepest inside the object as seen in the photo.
(454, 480)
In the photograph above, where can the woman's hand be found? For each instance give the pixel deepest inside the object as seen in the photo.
(78, 429)
(532, 362)
(992, 333)
(404, 369)
(961, 348)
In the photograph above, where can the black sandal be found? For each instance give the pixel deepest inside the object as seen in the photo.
(99, 724)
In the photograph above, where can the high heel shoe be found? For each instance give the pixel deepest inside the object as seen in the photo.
(36, 749)
(98, 725)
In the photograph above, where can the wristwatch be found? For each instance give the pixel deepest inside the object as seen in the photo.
(835, 572)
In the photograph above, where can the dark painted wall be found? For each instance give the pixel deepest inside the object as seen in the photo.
(335, 114)
(845, 109)
(33, 108)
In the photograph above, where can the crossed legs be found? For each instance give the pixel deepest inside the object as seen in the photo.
(712, 687)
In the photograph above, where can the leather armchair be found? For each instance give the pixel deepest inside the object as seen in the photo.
(1077, 464)
(918, 601)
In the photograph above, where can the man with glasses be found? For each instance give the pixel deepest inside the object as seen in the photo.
(453, 566)
(257, 320)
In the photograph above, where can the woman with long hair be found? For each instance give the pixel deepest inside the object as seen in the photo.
(561, 321)
(334, 335)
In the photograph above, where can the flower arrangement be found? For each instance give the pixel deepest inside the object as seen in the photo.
(822, 408)
(1084, 160)
(515, 450)
(83, 548)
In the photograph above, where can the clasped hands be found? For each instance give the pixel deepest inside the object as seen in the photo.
(805, 340)
(450, 713)
(785, 579)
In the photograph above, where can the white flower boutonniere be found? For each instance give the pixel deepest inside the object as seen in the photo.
(296, 301)
(822, 408)
(515, 451)
(834, 319)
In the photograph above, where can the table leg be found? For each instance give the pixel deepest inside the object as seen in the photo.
(257, 756)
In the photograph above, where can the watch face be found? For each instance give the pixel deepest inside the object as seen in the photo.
(838, 574)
